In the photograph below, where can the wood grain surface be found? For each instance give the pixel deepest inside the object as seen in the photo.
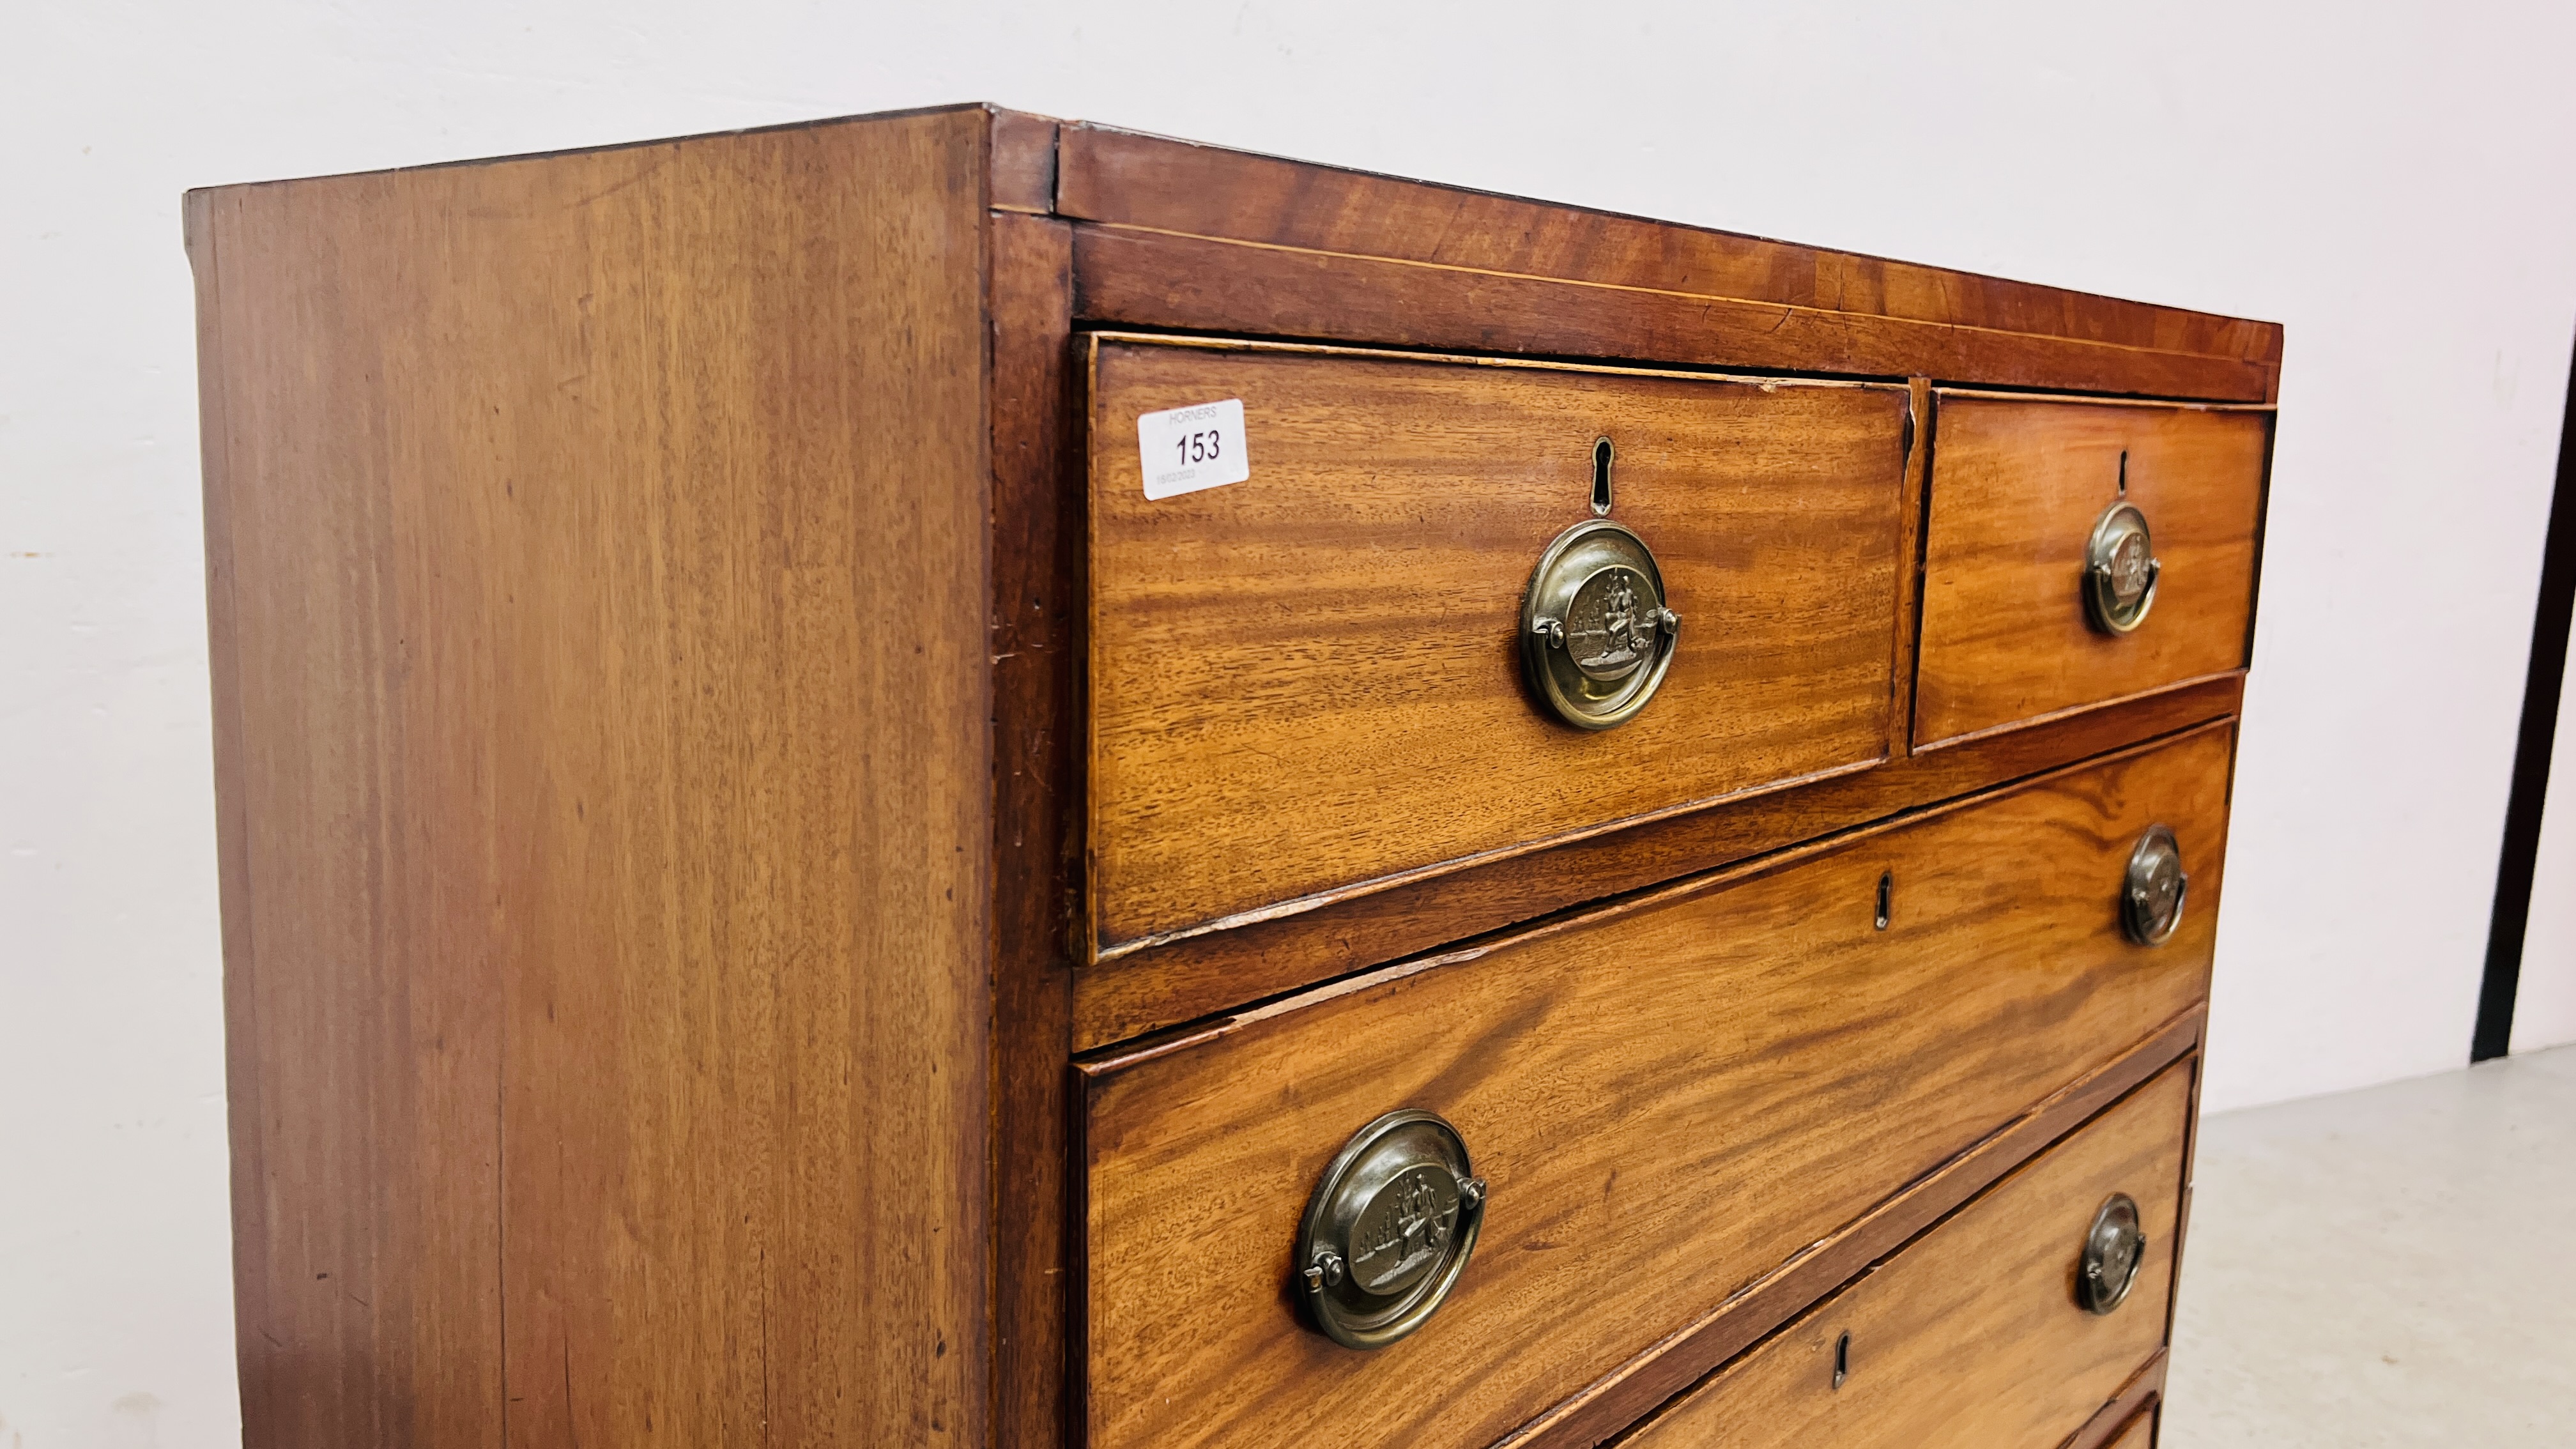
(1204, 975)
(2129, 1420)
(2017, 485)
(2139, 1433)
(1971, 1337)
(663, 880)
(1023, 152)
(1312, 679)
(1909, 573)
(1748, 1042)
(1037, 610)
(1110, 175)
(1613, 1403)
(1130, 277)
(596, 560)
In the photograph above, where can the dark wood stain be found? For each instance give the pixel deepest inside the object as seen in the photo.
(1134, 278)
(1037, 798)
(1122, 178)
(605, 991)
(729, 941)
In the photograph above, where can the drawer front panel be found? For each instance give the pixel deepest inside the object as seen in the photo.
(2017, 489)
(1971, 1338)
(1312, 678)
(1668, 1099)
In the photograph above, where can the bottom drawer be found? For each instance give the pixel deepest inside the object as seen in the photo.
(1975, 1335)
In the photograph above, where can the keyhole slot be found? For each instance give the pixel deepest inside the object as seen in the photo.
(1842, 1358)
(2124, 472)
(1886, 895)
(1602, 454)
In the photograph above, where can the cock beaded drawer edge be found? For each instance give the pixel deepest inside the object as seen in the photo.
(953, 778)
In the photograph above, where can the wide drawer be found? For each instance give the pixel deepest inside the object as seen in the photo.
(1974, 1336)
(1312, 678)
(1669, 1099)
(2019, 487)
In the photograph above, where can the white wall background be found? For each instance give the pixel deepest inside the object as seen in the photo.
(2392, 181)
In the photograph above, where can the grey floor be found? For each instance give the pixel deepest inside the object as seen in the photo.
(2394, 1266)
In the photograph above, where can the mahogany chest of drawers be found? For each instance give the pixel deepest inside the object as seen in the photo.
(947, 778)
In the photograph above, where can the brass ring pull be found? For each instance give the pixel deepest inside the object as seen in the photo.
(2120, 570)
(1388, 1230)
(2113, 1248)
(2154, 888)
(1596, 637)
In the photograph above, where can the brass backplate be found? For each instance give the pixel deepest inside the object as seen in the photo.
(2120, 570)
(2154, 887)
(2113, 1248)
(1596, 635)
(1388, 1230)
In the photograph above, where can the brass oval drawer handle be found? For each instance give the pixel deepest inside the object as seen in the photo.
(2153, 890)
(1596, 637)
(2113, 1248)
(2120, 570)
(1388, 1229)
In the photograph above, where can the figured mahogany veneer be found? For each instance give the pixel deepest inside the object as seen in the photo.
(1153, 183)
(1157, 987)
(1972, 1337)
(768, 898)
(1348, 619)
(1670, 1098)
(2017, 486)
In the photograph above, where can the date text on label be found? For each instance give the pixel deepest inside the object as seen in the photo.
(1187, 449)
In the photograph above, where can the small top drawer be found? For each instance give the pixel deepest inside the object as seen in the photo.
(1315, 677)
(1979, 1335)
(2020, 489)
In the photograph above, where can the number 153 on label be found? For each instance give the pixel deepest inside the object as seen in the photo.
(1187, 449)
